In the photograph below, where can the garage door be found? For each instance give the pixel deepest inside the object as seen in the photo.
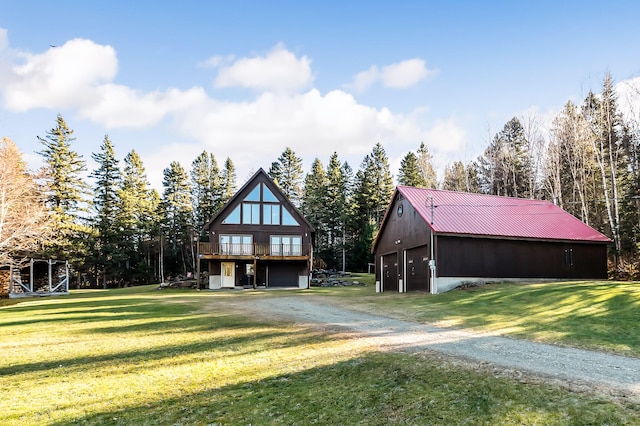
(417, 268)
(390, 272)
(285, 275)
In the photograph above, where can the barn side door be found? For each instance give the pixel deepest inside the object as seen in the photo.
(417, 269)
(390, 272)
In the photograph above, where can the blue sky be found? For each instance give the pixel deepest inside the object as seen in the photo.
(247, 79)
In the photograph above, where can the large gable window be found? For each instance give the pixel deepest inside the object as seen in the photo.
(260, 206)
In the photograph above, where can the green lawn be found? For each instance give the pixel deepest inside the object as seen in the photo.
(179, 357)
(588, 314)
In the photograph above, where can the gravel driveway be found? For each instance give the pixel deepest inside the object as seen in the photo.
(574, 368)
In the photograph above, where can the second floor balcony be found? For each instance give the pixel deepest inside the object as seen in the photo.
(262, 250)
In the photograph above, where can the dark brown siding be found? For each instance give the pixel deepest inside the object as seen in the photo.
(407, 231)
(495, 258)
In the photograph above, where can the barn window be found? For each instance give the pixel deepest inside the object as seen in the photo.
(568, 257)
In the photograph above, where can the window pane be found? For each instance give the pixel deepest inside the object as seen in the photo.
(267, 195)
(287, 219)
(254, 195)
(275, 245)
(296, 246)
(266, 214)
(233, 217)
(275, 215)
(250, 213)
(255, 214)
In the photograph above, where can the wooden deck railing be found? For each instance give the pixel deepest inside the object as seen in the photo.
(253, 249)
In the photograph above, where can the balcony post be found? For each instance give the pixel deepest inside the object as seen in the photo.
(198, 264)
(255, 272)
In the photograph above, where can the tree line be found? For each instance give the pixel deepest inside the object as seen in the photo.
(118, 230)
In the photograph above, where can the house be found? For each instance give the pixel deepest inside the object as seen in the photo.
(432, 240)
(258, 239)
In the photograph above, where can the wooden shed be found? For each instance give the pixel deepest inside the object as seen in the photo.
(432, 240)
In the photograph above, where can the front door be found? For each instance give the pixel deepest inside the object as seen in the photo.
(228, 274)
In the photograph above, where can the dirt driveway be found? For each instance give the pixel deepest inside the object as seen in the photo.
(568, 367)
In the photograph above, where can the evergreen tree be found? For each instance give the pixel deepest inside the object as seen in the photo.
(373, 190)
(228, 184)
(339, 181)
(410, 174)
(314, 205)
(425, 165)
(207, 188)
(66, 194)
(287, 173)
(455, 177)
(106, 203)
(178, 219)
(506, 164)
(138, 219)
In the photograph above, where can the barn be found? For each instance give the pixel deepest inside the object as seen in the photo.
(433, 241)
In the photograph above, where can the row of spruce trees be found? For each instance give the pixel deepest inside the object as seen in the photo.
(120, 230)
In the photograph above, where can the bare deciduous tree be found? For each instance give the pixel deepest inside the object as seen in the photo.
(23, 216)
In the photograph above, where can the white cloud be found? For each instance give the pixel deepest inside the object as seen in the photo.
(400, 75)
(62, 77)
(80, 76)
(121, 106)
(279, 71)
(405, 74)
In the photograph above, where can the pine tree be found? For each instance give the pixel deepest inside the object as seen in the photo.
(178, 219)
(228, 184)
(314, 205)
(106, 203)
(410, 174)
(138, 219)
(455, 177)
(207, 188)
(67, 197)
(339, 191)
(425, 165)
(506, 164)
(373, 190)
(288, 175)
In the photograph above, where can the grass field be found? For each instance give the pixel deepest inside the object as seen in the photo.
(586, 314)
(140, 356)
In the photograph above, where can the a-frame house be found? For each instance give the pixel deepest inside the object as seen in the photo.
(258, 239)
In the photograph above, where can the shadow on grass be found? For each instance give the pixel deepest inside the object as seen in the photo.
(376, 389)
(586, 314)
(252, 341)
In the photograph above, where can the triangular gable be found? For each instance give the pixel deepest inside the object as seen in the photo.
(270, 193)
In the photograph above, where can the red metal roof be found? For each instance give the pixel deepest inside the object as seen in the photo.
(490, 215)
